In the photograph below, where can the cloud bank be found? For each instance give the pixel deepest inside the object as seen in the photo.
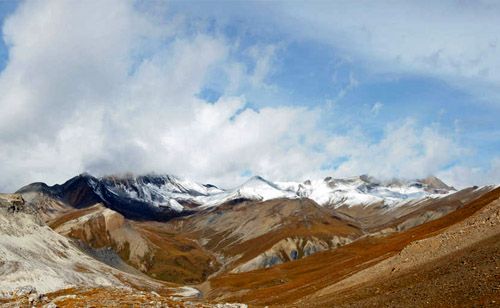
(112, 87)
(451, 40)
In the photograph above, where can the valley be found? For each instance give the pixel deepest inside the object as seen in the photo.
(359, 241)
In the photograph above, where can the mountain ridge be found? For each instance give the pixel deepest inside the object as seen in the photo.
(258, 237)
(162, 197)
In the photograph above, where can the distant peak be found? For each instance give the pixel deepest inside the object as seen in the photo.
(432, 178)
(435, 183)
(257, 179)
(141, 177)
(33, 187)
(85, 175)
(364, 178)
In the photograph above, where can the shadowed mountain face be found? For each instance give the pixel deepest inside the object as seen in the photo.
(162, 197)
(262, 242)
(85, 190)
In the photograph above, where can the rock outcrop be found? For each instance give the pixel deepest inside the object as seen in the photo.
(289, 249)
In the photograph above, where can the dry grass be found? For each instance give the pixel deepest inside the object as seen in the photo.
(466, 278)
(287, 283)
(248, 229)
(176, 258)
(74, 214)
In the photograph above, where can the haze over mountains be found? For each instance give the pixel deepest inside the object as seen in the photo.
(245, 244)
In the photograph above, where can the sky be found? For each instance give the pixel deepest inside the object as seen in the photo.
(218, 91)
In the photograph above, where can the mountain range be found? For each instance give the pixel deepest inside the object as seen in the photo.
(260, 243)
(161, 197)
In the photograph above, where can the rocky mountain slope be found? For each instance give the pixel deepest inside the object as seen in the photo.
(262, 242)
(161, 197)
(383, 269)
(32, 254)
(146, 248)
(40, 267)
(250, 235)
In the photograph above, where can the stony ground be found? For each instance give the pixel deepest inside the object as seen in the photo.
(466, 278)
(110, 297)
(453, 261)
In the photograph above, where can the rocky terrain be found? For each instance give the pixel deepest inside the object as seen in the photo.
(466, 251)
(39, 266)
(353, 273)
(162, 197)
(162, 240)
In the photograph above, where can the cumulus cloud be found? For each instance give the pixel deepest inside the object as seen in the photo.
(404, 151)
(64, 55)
(90, 86)
(109, 87)
(462, 176)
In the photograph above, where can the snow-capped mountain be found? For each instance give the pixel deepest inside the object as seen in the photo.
(256, 188)
(365, 190)
(362, 190)
(165, 196)
(160, 190)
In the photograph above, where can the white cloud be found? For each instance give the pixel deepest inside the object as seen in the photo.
(107, 88)
(404, 151)
(455, 41)
(76, 99)
(463, 176)
(351, 84)
(448, 38)
(63, 55)
(263, 58)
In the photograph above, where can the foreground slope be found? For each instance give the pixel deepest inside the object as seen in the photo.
(459, 266)
(34, 255)
(161, 254)
(266, 243)
(299, 283)
(39, 267)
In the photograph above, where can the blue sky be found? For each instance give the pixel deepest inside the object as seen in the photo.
(311, 72)
(6, 8)
(383, 88)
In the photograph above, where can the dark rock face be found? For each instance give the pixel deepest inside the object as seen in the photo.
(79, 192)
(85, 190)
(133, 208)
(16, 205)
(162, 197)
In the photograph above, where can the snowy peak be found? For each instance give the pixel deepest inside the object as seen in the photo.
(331, 192)
(432, 182)
(367, 190)
(256, 189)
(163, 192)
(155, 196)
(146, 184)
(260, 188)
